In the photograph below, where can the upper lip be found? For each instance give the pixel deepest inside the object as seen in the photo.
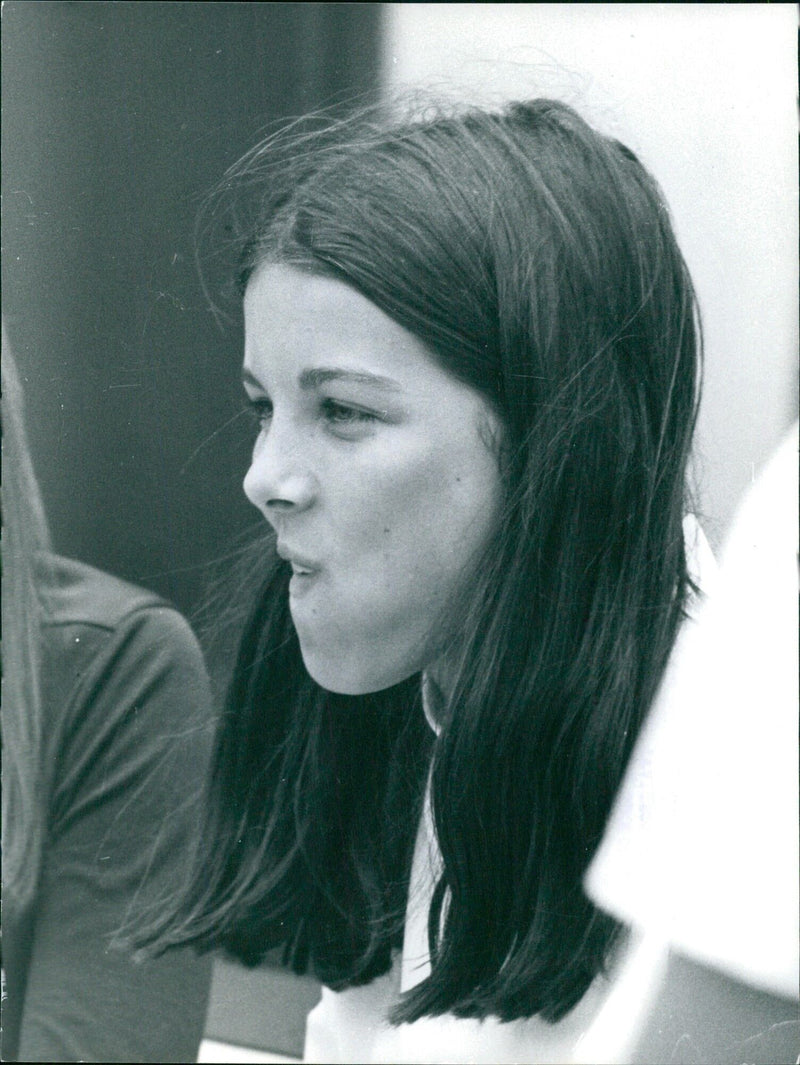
(296, 559)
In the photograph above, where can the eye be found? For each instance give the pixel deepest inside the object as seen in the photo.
(260, 409)
(346, 418)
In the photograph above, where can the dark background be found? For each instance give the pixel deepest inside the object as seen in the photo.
(117, 120)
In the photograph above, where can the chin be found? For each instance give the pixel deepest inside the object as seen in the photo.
(350, 678)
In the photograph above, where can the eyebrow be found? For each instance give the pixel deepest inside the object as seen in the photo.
(311, 379)
(320, 376)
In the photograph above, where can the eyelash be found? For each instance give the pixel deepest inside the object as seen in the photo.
(343, 414)
(260, 410)
(334, 412)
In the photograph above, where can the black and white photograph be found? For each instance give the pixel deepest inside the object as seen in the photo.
(399, 542)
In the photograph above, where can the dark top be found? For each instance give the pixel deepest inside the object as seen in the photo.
(127, 728)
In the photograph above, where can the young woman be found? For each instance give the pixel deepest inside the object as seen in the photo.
(472, 350)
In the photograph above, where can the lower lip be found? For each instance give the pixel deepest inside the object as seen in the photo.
(302, 583)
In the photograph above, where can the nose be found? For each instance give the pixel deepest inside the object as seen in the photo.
(279, 481)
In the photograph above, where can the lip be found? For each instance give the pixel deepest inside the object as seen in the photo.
(303, 569)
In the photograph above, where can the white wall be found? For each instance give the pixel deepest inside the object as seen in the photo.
(706, 95)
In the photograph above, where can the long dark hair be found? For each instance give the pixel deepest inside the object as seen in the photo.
(536, 260)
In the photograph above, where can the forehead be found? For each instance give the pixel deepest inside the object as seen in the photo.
(291, 315)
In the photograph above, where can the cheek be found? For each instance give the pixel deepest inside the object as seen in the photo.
(406, 530)
(430, 516)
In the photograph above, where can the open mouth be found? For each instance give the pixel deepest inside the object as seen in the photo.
(301, 567)
(303, 580)
(303, 570)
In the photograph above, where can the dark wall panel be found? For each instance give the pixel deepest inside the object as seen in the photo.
(117, 119)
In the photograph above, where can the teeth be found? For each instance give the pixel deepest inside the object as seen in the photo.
(299, 570)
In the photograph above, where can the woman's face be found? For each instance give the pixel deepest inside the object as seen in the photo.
(374, 466)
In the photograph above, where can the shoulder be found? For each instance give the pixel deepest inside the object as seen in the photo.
(116, 658)
(75, 593)
(127, 701)
(87, 612)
